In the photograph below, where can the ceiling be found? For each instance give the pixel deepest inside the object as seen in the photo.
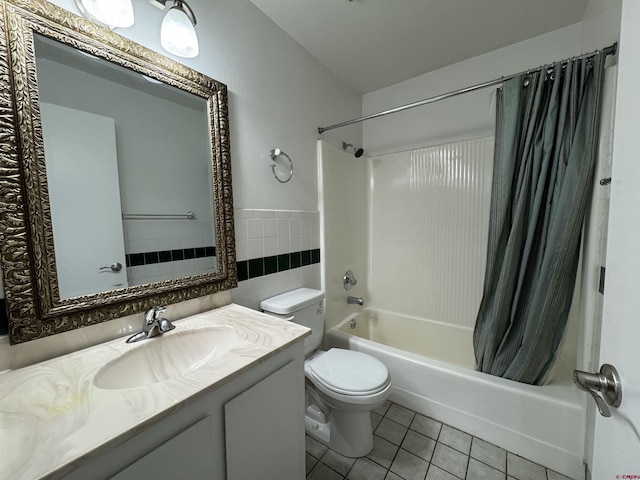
(371, 44)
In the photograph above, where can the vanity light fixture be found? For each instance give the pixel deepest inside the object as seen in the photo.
(107, 13)
(177, 34)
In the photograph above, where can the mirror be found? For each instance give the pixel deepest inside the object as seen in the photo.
(115, 193)
(136, 152)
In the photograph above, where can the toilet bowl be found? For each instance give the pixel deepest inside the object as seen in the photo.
(351, 384)
(342, 386)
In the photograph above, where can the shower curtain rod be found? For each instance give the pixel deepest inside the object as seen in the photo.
(611, 50)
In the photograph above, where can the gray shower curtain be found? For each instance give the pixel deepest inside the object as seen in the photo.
(546, 143)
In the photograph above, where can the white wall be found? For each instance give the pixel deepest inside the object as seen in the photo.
(463, 117)
(601, 24)
(279, 94)
(344, 217)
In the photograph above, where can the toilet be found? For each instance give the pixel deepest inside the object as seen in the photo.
(342, 386)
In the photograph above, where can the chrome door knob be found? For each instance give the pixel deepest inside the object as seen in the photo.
(114, 267)
(606, 382)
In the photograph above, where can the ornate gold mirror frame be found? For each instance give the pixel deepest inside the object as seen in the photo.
(34, 306)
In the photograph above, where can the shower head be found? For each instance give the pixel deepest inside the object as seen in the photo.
(357, 151)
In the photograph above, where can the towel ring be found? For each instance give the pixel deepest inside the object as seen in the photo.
(275, 153)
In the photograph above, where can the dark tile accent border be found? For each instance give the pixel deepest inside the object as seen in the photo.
(149, 258)
(258, 267)
(295, 259)
(270, 265)
(283, 262)
(243, 270)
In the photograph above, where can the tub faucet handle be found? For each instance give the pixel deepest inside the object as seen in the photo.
(349, 280)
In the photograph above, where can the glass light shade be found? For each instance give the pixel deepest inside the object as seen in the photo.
(112, 13)
(177, 34)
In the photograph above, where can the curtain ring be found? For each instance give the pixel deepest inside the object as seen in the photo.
(275, 153)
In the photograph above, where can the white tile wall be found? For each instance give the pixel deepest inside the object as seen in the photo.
(265, 233)
(164, 271)
(157, 235)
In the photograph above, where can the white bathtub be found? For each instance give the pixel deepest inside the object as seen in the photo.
(431, 367)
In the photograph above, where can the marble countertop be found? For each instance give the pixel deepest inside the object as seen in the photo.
(52, 414)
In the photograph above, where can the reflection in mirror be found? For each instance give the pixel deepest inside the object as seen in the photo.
(127, 158)
(115, 193)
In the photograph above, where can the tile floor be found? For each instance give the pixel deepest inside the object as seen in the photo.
(410, 446)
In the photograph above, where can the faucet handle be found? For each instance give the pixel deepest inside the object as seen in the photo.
(153, 314)
(165, 325)
(349, 280)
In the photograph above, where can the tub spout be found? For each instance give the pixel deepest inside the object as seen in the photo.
(355, 301)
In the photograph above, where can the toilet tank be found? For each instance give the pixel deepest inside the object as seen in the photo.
(304, 306)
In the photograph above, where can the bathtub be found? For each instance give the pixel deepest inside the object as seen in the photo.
(431, 366)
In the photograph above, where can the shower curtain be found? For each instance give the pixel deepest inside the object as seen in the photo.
(546, 143)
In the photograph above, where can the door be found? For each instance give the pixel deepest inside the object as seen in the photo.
(82, 176)
(264, 424)
(617, 440)
(187, 456)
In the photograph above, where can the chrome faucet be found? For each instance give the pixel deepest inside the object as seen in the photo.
(355, 301)
(153, 325)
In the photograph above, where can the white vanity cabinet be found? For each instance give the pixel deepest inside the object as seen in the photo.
(251, 427)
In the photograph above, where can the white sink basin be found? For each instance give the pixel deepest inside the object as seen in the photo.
(165, 357)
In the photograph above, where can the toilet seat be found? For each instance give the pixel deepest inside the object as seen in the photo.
(348, 372)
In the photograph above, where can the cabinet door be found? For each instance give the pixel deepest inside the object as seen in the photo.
(264, 428)
(187, 456)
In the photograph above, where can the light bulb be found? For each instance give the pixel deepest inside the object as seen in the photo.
(177, 34)
(112, 13)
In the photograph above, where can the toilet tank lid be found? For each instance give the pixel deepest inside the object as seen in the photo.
(292, 301)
